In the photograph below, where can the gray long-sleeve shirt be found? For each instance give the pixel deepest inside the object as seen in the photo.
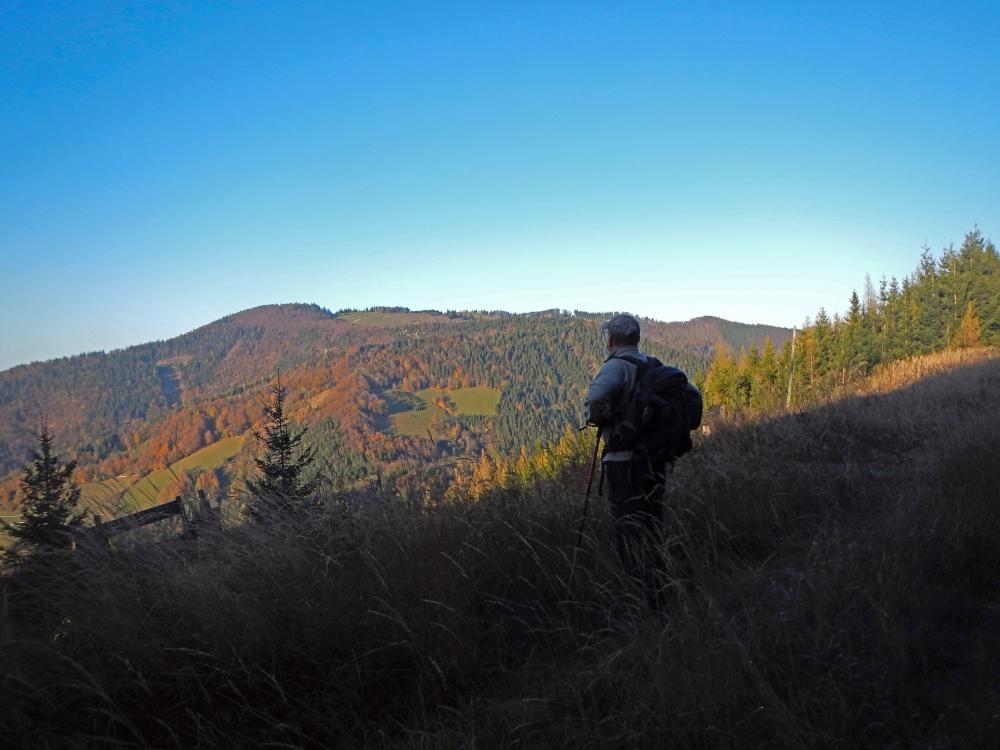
(611, 386)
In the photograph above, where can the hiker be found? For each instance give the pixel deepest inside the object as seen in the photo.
(635, 483)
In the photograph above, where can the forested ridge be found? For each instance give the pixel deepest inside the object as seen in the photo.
(348, 373)
(113, 413)
(830, 569)
(949, 301)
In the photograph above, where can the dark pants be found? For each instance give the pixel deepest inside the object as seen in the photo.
(636, 493)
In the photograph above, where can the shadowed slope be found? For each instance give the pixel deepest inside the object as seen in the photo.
(833, 582)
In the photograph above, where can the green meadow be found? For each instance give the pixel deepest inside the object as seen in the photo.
(480, 400)
(122, 495)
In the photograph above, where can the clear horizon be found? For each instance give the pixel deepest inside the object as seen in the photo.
(166, 165)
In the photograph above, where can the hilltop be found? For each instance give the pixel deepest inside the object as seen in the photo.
(365, 382)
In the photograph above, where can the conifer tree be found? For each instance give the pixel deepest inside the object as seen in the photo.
(280, 482)
(766, 385)
(49, 511)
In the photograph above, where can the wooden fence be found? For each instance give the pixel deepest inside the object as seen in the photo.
(206, 513)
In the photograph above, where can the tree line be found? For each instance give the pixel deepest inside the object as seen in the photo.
(948, 301)
(324, 420)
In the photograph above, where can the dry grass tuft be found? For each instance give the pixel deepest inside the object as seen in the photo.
(833, 583)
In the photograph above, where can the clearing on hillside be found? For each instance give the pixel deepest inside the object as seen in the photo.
(420, 417)
(480, 400)
(127, 494)
(392, 319)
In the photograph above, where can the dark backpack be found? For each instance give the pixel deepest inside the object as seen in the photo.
(657, 419)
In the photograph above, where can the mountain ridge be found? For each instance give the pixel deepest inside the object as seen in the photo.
(255, 316)
(144, 407)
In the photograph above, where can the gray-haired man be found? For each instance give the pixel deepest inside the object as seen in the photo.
(635, 484)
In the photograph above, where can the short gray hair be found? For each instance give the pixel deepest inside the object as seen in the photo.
(624, 329)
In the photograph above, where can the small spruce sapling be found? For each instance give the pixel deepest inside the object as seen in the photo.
(280, 481)
(49, 513)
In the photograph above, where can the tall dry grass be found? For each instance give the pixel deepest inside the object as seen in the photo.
(832, 578)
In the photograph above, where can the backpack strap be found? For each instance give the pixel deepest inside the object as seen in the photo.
(642, 367)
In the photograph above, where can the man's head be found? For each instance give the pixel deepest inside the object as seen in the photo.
(621, 330)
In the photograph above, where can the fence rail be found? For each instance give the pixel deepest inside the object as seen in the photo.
(207, 513)
(141, 518)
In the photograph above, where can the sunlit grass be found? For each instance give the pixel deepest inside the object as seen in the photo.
(478, 400)
(124, 494)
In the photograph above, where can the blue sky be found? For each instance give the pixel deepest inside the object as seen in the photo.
(166, 164)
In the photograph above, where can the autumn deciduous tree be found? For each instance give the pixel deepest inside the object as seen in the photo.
(721, 382)
(968, 330)
(50, 498)
(280, 483)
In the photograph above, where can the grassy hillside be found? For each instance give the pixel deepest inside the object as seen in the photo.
(512, 380)
(120, 496)
(126, 494)
(832, 580)
(420, 417)
(479, 400)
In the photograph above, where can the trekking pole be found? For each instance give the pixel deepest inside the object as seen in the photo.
(586, 504)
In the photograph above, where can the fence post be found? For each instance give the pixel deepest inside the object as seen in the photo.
(102, 538)
(188, 525)
(209, 513)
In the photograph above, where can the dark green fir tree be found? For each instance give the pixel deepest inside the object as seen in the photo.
(280, 483)
(49, 512)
